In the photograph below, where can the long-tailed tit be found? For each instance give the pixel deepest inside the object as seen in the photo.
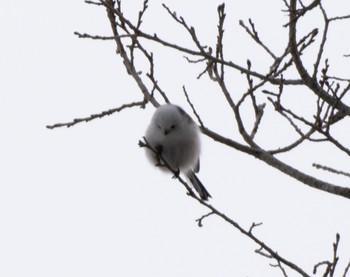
(175, 136)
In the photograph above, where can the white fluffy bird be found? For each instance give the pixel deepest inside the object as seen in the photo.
(175, 136)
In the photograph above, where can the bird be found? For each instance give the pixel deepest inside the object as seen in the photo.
(173, 135)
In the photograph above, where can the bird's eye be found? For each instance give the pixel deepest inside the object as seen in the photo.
(159, 127)
(172, 127)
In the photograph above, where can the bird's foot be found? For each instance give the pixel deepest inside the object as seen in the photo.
(158, 151)
(176, 174)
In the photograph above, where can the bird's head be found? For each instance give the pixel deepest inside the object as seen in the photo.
(170, 119)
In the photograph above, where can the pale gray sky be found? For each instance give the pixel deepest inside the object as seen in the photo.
(85, 202)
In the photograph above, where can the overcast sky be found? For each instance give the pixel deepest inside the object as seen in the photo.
(84, 201)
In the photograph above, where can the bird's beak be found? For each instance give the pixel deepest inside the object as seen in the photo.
(166, 132)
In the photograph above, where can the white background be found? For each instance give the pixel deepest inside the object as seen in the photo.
(84, 201)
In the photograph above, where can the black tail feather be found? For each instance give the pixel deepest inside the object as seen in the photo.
(199, 187)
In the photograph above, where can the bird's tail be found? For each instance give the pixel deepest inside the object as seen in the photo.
(197, 184)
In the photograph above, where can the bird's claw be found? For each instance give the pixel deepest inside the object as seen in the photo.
(176, 174)
(159, 149)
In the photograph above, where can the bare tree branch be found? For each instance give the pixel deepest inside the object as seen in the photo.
(307, 79)
(99, 115)
(329, 107)
(326, 168)
(346, 270)
(330, 265)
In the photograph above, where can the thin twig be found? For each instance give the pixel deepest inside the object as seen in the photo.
(279, 265)
(330, 265)
(254, 225)
(84, 35)
(99, 115)
(346, 270)
(199, 220)
(93, 3)
(193, 108)
(326, 168)
(255, 36)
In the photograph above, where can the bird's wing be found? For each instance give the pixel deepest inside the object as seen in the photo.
(197, 167)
